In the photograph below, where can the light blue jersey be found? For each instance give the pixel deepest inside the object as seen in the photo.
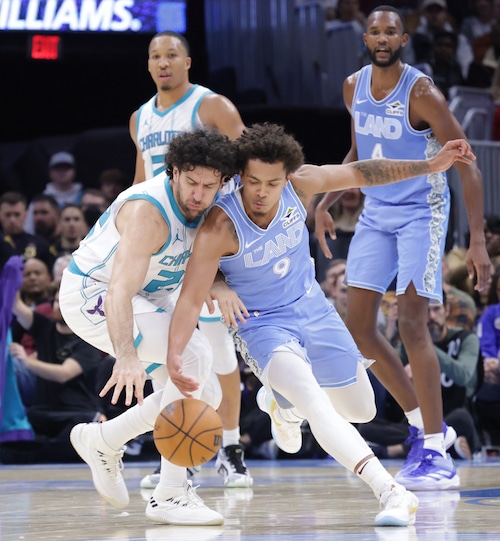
(269, 260)
(273, 275)
(155, 129)
(402, 229)
(383, 130)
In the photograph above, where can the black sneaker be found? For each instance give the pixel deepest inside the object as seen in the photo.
(230, 464)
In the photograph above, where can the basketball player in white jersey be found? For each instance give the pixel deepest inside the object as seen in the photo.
(289, 334)
(180, 106)
(398, 112)
(117, 294)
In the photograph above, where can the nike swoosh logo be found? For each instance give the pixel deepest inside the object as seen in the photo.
(358, 102)
(248, 244)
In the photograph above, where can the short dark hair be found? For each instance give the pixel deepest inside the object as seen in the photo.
(268, 143)
(13, 198)
(391, 9)
(46, 198)
(172, 34)
(204, 148)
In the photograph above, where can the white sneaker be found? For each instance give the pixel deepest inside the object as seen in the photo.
(399, 507)
(286, 434)
(105, 464)
(184, 509)
(151, 480)
(230, 463)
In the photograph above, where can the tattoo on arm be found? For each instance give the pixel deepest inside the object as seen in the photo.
(231, 229)
(377, 172)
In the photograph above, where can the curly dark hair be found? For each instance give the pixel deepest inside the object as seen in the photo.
(268, 143)
(204, 148)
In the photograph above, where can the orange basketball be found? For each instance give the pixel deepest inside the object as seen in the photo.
(188, 432)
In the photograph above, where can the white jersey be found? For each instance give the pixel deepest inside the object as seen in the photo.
(94, 258)
(155, 129)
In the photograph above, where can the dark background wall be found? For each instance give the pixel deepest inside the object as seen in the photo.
(82, 103)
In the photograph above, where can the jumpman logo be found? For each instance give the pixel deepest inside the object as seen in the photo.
(177, 237)
(97, 308)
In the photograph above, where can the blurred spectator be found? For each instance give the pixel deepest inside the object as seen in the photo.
(93, 204)
(492, 234)
(62, 186)
(480, 22)
(345, 213)
(65, 368)
(14, 240)
(112, 182)
(434, 18)
(487, 404)
(346, 12)
(46, 217)
(446, 71)
(388, 324)
(37, 294)
(73, 229)
(461, 307)
(486, 55)
(334, 269)
(59, 265)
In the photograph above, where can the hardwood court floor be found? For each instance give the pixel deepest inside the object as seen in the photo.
(293, 500)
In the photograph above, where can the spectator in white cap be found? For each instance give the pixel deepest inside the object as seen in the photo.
(62, 186)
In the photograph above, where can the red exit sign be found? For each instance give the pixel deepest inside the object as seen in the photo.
(45, 47)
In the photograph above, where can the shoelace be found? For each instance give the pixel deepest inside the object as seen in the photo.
(394, 497)
(188, 499)
(112, 463)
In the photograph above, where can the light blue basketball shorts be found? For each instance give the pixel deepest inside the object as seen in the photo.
(404, 241)
(313, 324)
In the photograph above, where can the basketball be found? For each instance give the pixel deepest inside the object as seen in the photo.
(188, 432)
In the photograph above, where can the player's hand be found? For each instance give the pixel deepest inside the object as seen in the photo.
(324, 223)
(185, 384)
(127, 374)
(479, 265)
(230, 305)
(457, 150)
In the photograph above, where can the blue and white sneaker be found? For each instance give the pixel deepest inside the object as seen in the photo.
(286, 434)
(416, 443)
(433, 473)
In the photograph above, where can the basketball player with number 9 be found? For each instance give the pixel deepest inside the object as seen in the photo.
(290, 335)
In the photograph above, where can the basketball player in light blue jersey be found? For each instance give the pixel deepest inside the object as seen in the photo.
(180, 106)
(397, 112)
(118, 294)
(290, 335)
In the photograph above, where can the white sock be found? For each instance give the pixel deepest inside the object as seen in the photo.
(435, 442)
(415, 418)
(172, 480)
(375, 475)
(231, 437)
(132, 422)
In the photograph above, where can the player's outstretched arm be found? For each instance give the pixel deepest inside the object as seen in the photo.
(326, 178)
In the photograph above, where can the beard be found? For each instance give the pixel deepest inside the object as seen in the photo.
(395, 56)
